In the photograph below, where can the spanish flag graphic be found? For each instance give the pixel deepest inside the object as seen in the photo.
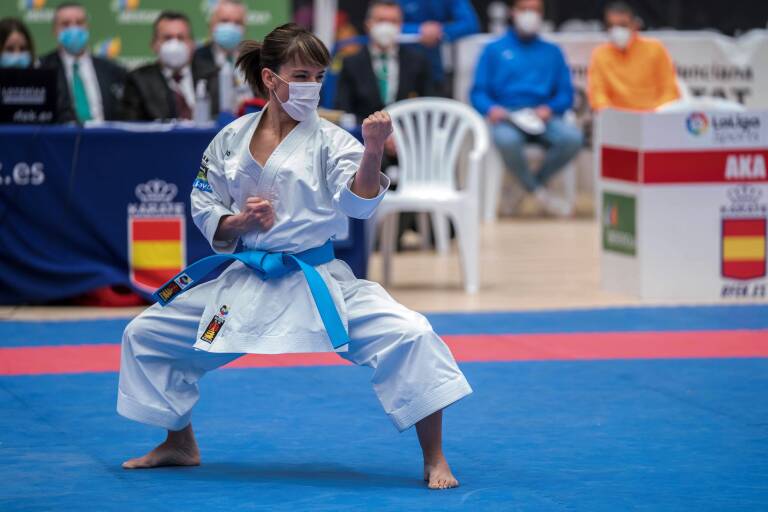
(156, 249)
(744, 248)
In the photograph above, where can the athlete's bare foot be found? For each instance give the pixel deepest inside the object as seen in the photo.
(437, 473)
(179, 449)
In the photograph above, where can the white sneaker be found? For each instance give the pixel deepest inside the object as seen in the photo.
(554, 205)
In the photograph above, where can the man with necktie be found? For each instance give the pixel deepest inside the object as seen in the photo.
(166, 89)
(90, 87)
(384, 71)
(227, 28)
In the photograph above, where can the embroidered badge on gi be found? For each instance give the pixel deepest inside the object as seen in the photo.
(215, 325)
(201, 181)
(169, 291)
(183, 281)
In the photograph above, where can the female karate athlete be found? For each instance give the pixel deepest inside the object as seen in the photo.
(283, 182)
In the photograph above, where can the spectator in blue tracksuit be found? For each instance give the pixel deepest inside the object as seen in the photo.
(438, 21)
(522, 71)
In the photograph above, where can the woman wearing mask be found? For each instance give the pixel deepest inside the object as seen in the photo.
(283, 182)
(18, 49)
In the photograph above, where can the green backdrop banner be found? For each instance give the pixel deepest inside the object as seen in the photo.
(122, 29)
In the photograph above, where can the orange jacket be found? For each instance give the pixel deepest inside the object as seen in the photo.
(641, 77)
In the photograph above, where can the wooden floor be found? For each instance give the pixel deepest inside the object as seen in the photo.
(525, 264)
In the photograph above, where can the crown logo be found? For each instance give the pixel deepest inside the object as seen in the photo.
(156, 191)
(744, 194)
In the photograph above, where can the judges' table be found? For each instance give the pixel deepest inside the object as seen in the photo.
(82, 208)
(684, 201)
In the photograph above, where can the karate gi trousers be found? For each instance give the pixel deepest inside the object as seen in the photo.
(414, 372)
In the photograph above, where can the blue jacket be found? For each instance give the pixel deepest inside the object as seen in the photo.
(516, 73)
(457, 16)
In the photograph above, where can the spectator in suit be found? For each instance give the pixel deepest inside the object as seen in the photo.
(89, 87)
(166, 88)
(16, 45)
(631, 71)
(523, 86)
(382, 72)
(227, 28)
(436, 22)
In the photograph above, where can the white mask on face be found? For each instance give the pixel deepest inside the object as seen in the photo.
(174, 54)
(528, 22)
(620, 36)
(303, 98)
(385, 34)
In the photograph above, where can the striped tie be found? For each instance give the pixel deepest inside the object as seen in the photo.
(182, 107)
(82, 108)
(383, 78)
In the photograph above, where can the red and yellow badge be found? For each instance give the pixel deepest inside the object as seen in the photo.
(743, 248)
(215, 325)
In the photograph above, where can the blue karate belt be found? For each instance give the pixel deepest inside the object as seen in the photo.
(269, 265)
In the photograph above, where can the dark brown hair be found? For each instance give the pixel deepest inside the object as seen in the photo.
(10, 25)
(287, 43)
(172, 16)
(621, 8)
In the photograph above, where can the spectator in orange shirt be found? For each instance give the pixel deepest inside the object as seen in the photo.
(631, 71)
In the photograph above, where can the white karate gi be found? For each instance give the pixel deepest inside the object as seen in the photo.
(308, 179)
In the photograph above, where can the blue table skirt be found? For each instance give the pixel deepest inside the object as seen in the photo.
(67, 197)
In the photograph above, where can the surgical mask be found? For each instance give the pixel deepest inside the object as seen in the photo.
(174, 54)
(227, 35)
(620, 36)
(73, 39)
(303, 99)
(15, 60)
(385, 34)
(528, 22)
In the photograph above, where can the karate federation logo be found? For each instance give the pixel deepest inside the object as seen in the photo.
(157, 238)
(743, 243)
(697, 123)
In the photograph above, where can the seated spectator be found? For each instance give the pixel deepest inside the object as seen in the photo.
(631, 71)
(523, 85)
(227, 28)
(166, 89)
(383, 72)
(435, 22)
(18, 49)
(89, 87)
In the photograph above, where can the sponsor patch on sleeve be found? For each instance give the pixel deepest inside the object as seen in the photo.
(201, 181)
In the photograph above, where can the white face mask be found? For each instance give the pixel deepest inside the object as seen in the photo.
(174, 54)
(528, 22)
(303, 98)
(385, 34)
(620, 36)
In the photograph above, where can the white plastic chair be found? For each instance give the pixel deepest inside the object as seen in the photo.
(429, 133)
